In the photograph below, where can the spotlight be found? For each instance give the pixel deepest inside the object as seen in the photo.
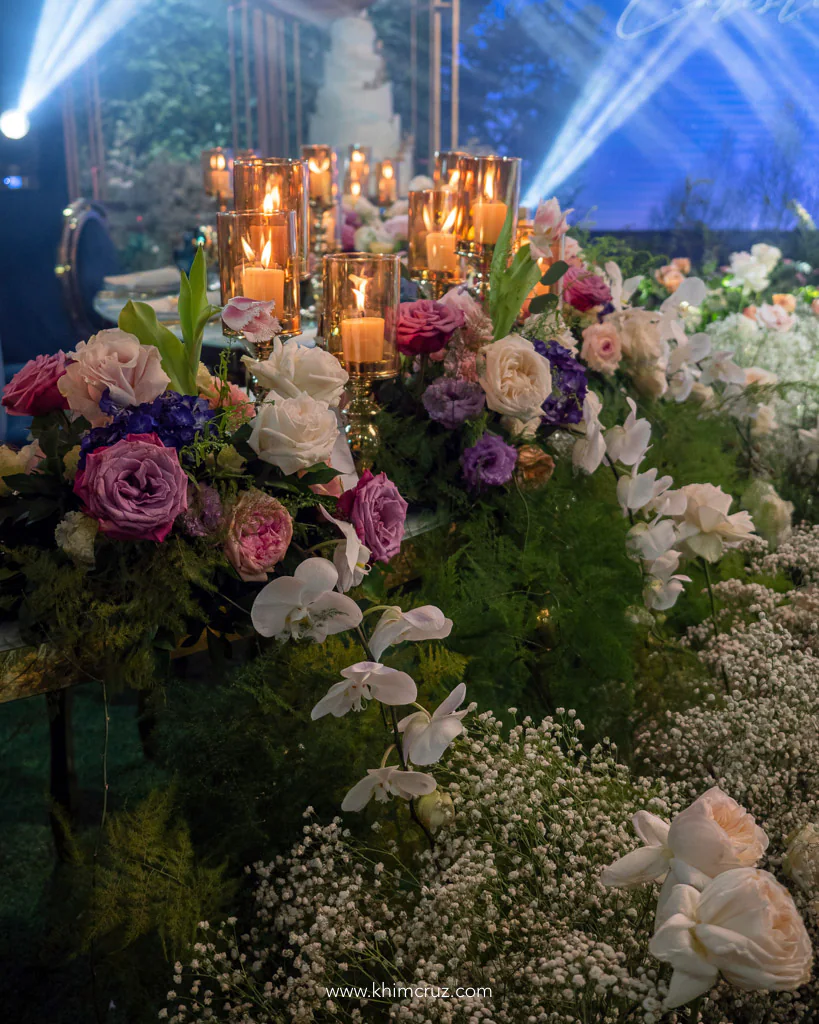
(14, 124)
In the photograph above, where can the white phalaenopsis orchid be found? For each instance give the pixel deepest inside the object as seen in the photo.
(621, 291)
(666, 584)
(629, 443)
(427, 737)
(641, 489)
(382, 783)
(351, 557)
(366, 680)
(395, 626)
(590, 449)
(683, 371)
(304, 604)
(648, 863)
(651, 540)
(721, 367)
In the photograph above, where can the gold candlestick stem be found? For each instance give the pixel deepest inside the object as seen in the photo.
(361, 428)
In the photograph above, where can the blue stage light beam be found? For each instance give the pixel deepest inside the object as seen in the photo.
(66, 38)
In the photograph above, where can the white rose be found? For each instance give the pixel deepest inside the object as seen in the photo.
(801, 861)
(75, 534)
(748, 272)
(292, 368)
(294, 433)
(640, 335)
(716, 834)
(743, 924)
(767, 255)
(771, 514)
(706, 528)
(775, 318)
(516, 378)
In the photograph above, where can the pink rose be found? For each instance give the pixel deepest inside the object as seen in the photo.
(426, 326)
(601, 349)
(252, 318)
(584, 290)
(378, 512)
(259, 533)
(33, 390)
(549, 224)
(115, 361)
(134, 488)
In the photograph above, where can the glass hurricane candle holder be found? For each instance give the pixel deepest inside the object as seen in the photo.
(325, 213)
(448, 172)
(386, 174)
(258, 258)
(357, 171)
(433, 228)
(217, 174)
(361, 309)
(495, 190)
(275, 185)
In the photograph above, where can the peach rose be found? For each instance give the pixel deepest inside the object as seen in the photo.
(670, 277)
(683, 264)
(750, 312)
(602, 350)
(815, 306)
(116, 362)
(716, 834)
(786, 301)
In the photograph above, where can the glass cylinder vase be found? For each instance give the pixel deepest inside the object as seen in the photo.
(448, 172)
(258, 259)
(433, 233)
(275, 185)
(217, 174)
(386, 176)
(494, 192)
(357, 171)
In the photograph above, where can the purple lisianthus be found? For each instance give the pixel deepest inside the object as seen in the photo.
(175, 419)
(489, 463)
(378, 513)
(569, 385)
(451, 401)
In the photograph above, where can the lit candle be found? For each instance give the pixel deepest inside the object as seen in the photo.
(488, 215)
(362, 337)
(387, 187)
(321, 180)
(263, 283)
(274, 233)
(441, 244)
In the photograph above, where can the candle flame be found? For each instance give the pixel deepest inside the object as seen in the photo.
(454, 178)
(355, 188)
(319, 167)
(220, 162)
(449, 223)
(357, 156)
(387, 170)
(427, 219)
(267, 253)
(489, 186)
(248, 248)
(272, 200)
(359, 290)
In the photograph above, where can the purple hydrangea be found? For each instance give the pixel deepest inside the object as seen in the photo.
(569, 385)
(175, 419)
(451, 401)
(489, 463)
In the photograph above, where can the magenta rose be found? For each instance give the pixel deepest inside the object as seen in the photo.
(259, 533)
(33, 390)
(426, 326)
(378, 512)
(135, 488)
(584, 290)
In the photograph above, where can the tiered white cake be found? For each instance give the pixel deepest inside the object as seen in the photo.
(354, 103)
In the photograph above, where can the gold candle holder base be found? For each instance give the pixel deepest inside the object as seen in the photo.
(360, 428)
(481, 265)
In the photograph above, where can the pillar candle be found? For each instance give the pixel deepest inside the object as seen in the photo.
(488, 216)
(362, 339)
(321, 182)
(220, 182)
(264, 284)
(441, 252)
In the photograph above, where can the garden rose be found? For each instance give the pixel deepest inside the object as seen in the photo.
(786, 301)
(534, 467)
(801, 861)
(253, 318)
(639, 333)
(115, 361)
(378, 513)
(767, 255)
(683, 264)
(748, 272)
(601, 349)
(134, 488)
(670, 277)
(775, 318)
(259, 531)
(706, 528)
(426, 326)
(294, 433)
(516, 378)
(743, 924)
(292, 368)
(716, 834)
(33, 390)
(584, 290)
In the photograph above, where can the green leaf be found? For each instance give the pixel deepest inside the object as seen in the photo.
(185, 311)
(200, 309)
(498, 270)
(540, 303)
(139, 319)
(555, 272)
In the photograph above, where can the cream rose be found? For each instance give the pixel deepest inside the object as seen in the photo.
(292, 368)
(801, 861)
(743, 924)
(294, 433)
(516, 378)
(706, 528)
(650, 381)
(716, 834)
(640, 334)
(115, 361)
(601, 349)
(767, 255)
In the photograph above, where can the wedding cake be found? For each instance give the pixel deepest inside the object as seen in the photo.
(354, 103)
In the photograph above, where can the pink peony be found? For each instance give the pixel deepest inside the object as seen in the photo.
(115, 361)
(601, 349)
(584, 290)
(426, 326)
(134, 488)
(378, 512)
(252, 318)
(33, 390)
(259, 533)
